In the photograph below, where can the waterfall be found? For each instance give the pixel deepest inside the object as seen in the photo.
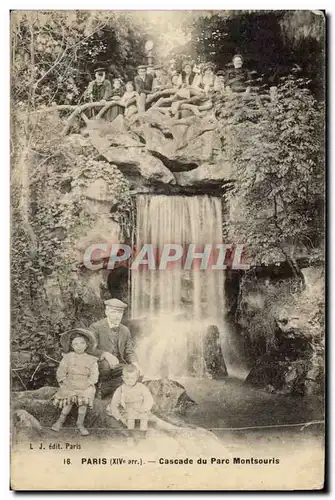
(179, 304)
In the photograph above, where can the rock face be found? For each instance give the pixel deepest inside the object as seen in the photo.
(283, 331)
(292, 365)
(133, 161)
(161, 154)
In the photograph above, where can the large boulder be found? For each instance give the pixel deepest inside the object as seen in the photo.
(206, 175)
(181, 144)
(135, 162)
(169, 396)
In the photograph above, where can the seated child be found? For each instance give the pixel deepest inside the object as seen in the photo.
(77, 375)
(132, 401)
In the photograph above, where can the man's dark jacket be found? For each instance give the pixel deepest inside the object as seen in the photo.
(143, 86)
(107, 338)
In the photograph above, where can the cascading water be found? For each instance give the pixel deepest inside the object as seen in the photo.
(178, 304)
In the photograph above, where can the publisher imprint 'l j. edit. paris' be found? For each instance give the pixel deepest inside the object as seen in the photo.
(167, 250)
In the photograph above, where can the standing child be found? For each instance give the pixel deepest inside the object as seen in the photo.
(129, 100)
(116, 93)
(132, 401)
(77, 375)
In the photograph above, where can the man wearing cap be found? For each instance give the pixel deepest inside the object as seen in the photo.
(115, 347)
(100, 88)
(237, 77)
(143, 86)
(162, 80)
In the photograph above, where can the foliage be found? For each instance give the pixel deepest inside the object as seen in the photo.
(262, 301)
(271, 42)
(48, 295)
(55, 52)
(276, 148)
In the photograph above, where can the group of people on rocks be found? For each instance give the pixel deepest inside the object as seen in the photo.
(166, 90)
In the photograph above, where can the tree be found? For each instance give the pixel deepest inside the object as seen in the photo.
(54, 53)
(271, 41)
(277, 151)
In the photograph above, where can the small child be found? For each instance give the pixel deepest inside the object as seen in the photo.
(130, 93)
(132, 401)
(77, 375)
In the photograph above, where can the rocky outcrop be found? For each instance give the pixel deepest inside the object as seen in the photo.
(205, 176)
(161, 154)
(133, 161)
(289, 366)
(282, 327)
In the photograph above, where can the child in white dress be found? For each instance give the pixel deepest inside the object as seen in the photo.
(77, 375)
(132, 401)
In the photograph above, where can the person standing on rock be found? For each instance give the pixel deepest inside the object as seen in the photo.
(143, 86)
(98, 90)
(237, 78)
(114, 347)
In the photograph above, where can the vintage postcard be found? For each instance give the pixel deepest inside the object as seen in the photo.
(167, 250)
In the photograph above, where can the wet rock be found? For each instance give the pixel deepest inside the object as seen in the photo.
(215, 364)
(205, 175)
(169, 396)
(281, 377)
(78, 143)
(25, 426)
(39, 406)
(116, 133)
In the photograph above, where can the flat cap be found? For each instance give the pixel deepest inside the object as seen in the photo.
(115, 304)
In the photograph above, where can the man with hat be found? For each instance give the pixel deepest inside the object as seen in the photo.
(162, 80)
(100, 88)
(115, 347)
(143, 86)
